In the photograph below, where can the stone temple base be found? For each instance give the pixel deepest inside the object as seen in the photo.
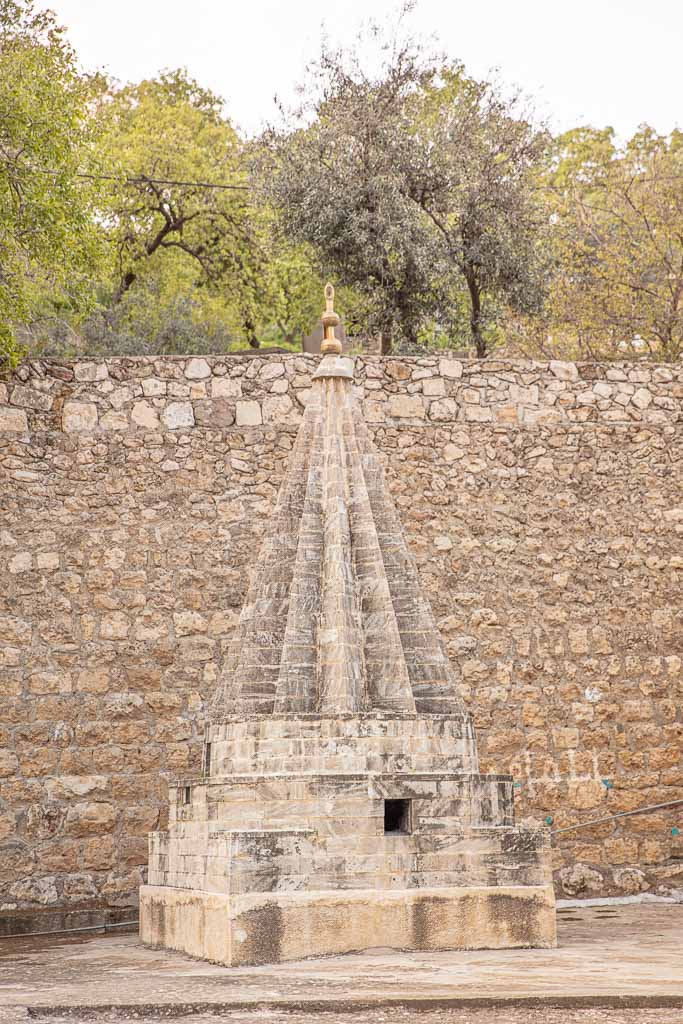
(259, 928)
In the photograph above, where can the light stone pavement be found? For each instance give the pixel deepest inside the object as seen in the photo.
(488, 1015)
(606, 955)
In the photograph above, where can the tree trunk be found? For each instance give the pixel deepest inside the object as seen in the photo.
(250, 329)
(130, 277)
(127, 281)
(475, 313)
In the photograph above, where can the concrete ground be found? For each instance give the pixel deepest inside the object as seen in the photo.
(615, 964)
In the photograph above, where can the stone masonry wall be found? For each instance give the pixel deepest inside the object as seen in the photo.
(543, 504)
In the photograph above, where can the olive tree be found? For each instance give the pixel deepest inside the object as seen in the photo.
(414, 184)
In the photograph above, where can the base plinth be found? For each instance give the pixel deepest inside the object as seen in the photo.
(273, 927)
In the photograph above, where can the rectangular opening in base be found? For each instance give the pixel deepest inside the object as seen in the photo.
(397, 817)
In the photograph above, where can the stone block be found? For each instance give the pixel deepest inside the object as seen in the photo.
(450, 368)
(178, 415)
(478, 414)
(91, 371)
(248, 414)
(13, 420)
(406, 406)
(143, 414)
(564, 371)
(114, 419)
(187, 623)
(434, 387)
(241, 930)
(225, 387)
(397, 370)
(276, 409)
(270, 370)
(197, 369)
(31, 398)
(79, 417)
(152, 387)
(444, 409)
(90, 818)
(642, 398)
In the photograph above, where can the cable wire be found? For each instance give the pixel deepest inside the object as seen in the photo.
(144, 180)
(612, 817)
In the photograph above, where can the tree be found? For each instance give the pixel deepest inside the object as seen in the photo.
(166, 141)
(414, 185)
(619, 245)
(47, 237)
(470, 164)
(335, 186)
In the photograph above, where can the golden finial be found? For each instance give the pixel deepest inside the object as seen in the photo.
(330, 344)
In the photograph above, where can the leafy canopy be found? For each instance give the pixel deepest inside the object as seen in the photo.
(48, 238)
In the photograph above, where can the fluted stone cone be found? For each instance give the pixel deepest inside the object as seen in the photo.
(335, 621)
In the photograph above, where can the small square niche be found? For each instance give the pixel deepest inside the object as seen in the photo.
(397, 817)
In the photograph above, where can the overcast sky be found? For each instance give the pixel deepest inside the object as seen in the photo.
(616, 62)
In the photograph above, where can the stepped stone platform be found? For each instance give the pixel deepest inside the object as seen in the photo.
(341, 805)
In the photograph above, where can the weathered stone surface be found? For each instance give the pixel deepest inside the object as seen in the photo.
(445, 409)
(270, 370)
(197, 369)
(226, 387)
(13, 420)
(293, 926)
(564, 371)
(21, 562)
(152, 387)
(248, 414)
(177, 415)
(31, 398)
(91, 371)
(406, 406)
(114, 420)
(145, 415)
(450, 368)
(79, 416)
(539, 543)
(276, 409)
(434, 387)
(90, 818)
(580, 880)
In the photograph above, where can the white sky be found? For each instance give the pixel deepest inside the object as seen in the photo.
(616, 62)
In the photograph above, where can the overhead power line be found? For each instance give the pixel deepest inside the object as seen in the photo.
(145, 180)
(226, 186)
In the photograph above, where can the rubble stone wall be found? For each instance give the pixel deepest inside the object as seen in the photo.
(543, 504)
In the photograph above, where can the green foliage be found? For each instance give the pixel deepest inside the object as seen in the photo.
(48, 239)
(156, 136)
(443, 216)
(417, 187)
(338, 189)
(471, 165)
(618, 247)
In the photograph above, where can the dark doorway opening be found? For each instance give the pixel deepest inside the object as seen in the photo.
(397, 815)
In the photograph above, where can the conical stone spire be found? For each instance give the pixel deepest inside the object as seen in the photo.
(340, 805)
(335, 621)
